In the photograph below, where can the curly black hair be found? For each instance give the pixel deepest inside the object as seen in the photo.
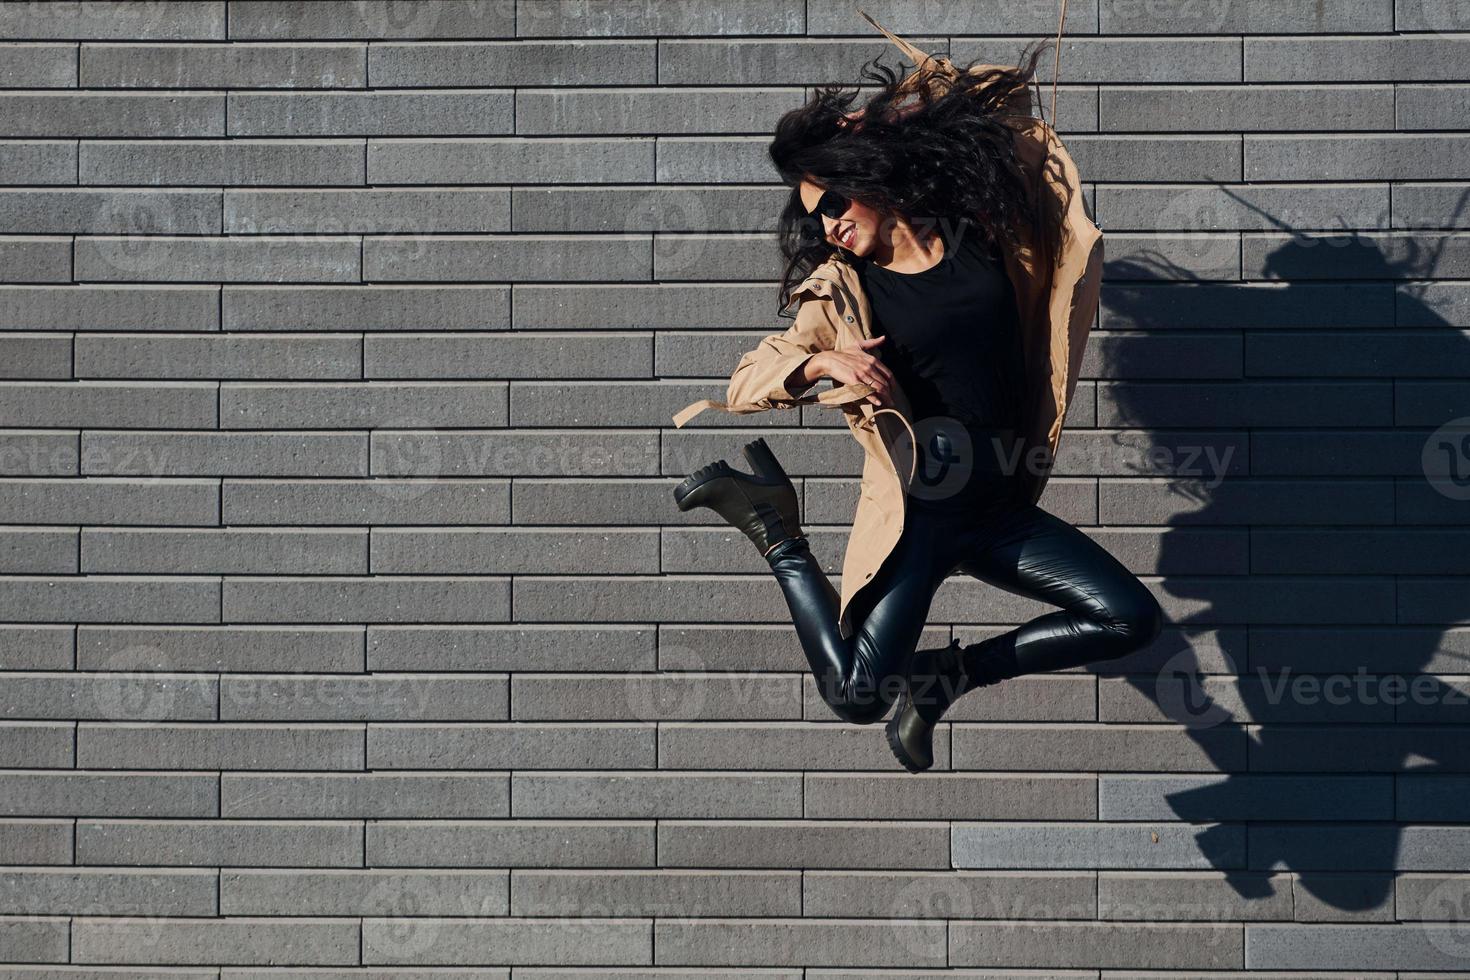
(945, 156)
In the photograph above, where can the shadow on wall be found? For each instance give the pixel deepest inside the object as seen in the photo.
(1318, 564)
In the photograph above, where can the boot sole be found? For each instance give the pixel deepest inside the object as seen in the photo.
(766, 470)
(700, 477)
(895, 743)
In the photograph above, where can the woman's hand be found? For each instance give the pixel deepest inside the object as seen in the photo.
(854, 365)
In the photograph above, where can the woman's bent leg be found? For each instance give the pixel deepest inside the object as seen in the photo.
(859, 677)
(1106, 612)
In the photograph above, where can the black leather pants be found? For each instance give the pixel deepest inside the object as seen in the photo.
(1105, 612)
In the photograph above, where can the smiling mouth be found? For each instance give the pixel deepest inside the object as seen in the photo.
(845, 240)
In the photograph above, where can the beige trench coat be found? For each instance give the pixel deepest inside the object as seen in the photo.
(1057, 304)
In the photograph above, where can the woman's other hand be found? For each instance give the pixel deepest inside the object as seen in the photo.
(854, 365)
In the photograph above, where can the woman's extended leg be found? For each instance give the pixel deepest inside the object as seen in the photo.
(1106, 612)
(859, 677)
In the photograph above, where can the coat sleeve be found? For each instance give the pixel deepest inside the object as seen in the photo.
(760, 377)
(758, 382)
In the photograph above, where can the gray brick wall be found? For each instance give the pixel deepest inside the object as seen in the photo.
(348, 630)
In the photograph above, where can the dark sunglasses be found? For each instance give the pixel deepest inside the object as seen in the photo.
(831, 204)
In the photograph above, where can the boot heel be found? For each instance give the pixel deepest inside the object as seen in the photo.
(764, 506)
(764, 462)
(895, 739)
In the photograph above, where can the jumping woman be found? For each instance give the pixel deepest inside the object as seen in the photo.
(947, 269)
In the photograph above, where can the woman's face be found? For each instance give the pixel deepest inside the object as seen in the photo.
(856, 229)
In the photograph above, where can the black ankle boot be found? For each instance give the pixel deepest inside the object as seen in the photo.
(762, 506)
(935, 679)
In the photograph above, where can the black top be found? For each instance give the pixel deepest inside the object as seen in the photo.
(954, 346)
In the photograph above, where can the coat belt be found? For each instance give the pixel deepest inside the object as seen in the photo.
(831, 398)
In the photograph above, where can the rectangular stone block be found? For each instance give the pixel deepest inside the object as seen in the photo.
(247, 454)
(219, 66)
(221, 648)
(718, 796)
(676, 893)
(515, 941)
(35, 841)
(111, 211)
(224, 163)
(38, 551)
(40, 162)
(806, 844)
(115, 115)
(278, 20)
(35, 939)
(120, 696)
(508, 355)
(360, 502)
(906, 943)
(511, 844)
(118, 404)
(1212, 896)
(516, 745)
(363, 697)
(1331, 17)
(202, 746)
(97, 891)
(364, 405)
(234, 843)
(110, 599)
(37, 745)
(364, 892)
(92, 793)
(1400, 946)
(370, 796)
(110, 501)
(474, 112)
(261, 259)
(1165, 946)
(1044, 844)
(238, 941)
(366, 600)
(521, 62)
(34, 260)
(614, 647)
(134, 19)
(366, 308)
(37, 647)
(232, 551)
(373, 210)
